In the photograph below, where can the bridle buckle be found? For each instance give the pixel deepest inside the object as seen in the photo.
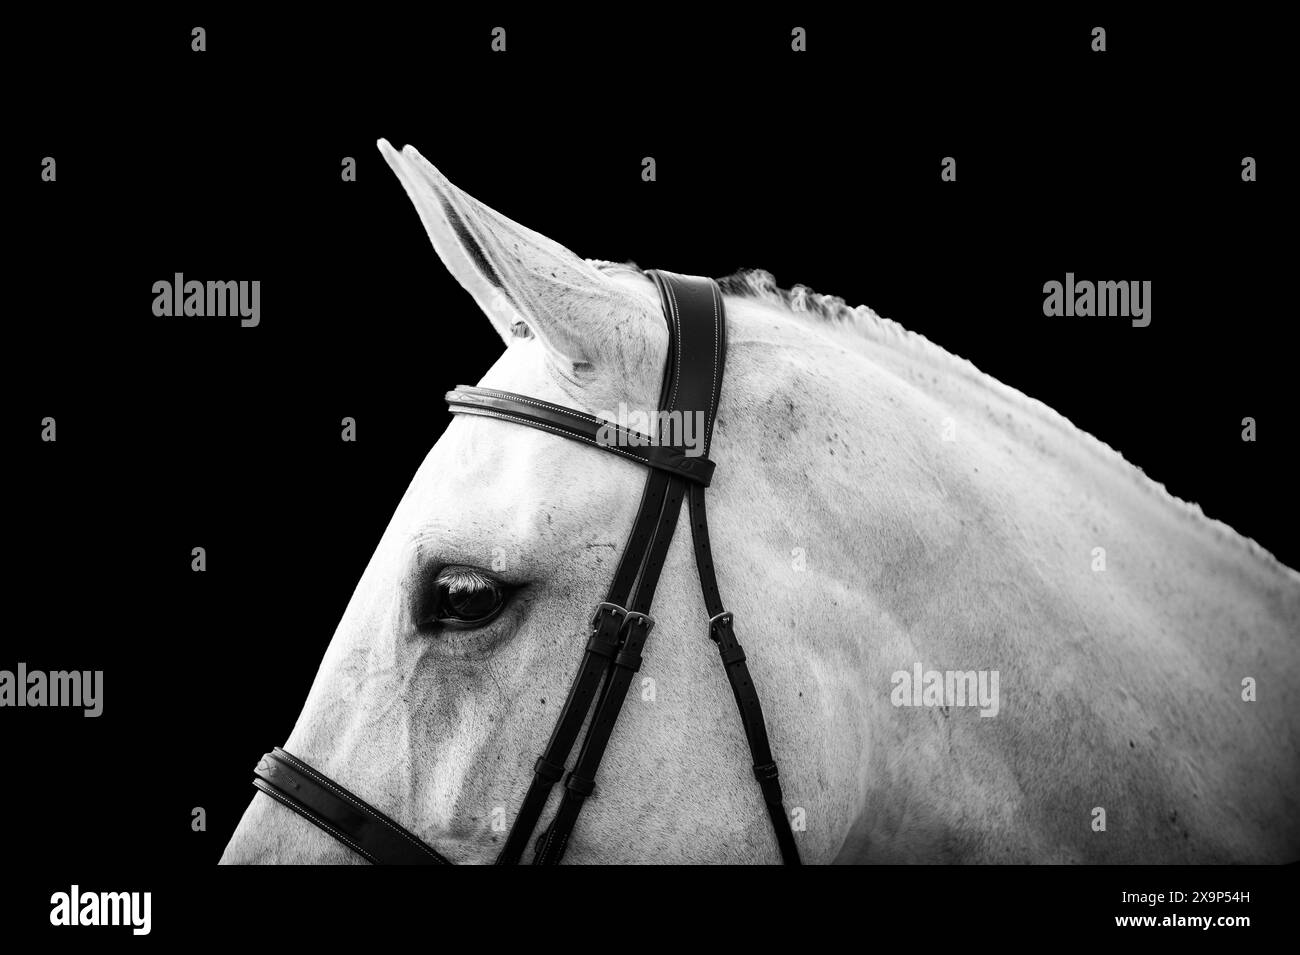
(603, 606)
(632, 618)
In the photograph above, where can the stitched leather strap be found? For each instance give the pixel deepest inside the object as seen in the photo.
(578, 426)
(602, 647)
(636, 629)
(346, 817)
(722, 633)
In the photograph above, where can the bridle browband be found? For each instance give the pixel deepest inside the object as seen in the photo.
(621, 623)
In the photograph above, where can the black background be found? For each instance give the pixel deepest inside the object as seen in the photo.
(820, 167)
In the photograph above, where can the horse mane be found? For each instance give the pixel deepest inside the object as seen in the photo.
(831, 310)
(760, 284)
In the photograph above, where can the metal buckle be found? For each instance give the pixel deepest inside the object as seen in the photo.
(725, 617)
(601, 608)
(645, 619)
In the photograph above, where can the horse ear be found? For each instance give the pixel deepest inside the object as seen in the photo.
(524, 282)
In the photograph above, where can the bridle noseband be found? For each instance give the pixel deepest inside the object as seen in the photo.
(620, 624)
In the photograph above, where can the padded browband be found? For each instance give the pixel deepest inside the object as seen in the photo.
(571, 423)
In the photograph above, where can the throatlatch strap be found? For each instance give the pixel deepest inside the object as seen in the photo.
(742, 684)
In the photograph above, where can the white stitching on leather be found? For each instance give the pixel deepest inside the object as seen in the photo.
(325, 781)
(545, 405)
(506, 416)
(677, 323)
(470, 406)
(717, 343)
(677, 317)
(316, 819)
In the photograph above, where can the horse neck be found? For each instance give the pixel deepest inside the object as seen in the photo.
(946, 514)
(950, 521)
(807, 443)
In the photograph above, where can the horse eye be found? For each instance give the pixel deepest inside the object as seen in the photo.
(463, 598)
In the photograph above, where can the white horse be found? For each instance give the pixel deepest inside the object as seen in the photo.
(880, 508)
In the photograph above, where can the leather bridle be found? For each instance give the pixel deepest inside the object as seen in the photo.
(621, 623)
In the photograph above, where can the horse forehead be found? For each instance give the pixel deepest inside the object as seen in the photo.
(497, 477)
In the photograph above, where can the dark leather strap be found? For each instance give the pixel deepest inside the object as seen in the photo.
(637, 626)
(692, 383)
(346, 817)
(602, 647)
(607, 634)
(570, 423)
(698, 336)
(722, 633)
